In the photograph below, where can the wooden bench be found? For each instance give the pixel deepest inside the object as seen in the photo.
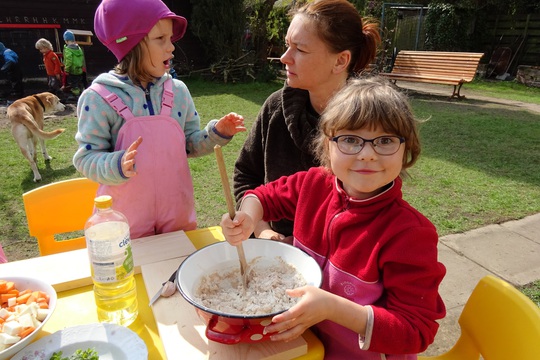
(437, 67)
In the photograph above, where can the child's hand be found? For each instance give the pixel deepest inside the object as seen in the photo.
(310, 310)
(270, 234)
(128, 159)
(237, 230)
(230, 124)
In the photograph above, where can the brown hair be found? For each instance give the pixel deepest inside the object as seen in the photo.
(369, 103)
(132, 65)
(341, 27)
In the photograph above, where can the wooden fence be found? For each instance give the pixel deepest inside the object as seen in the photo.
(520, 33)
(516, 38)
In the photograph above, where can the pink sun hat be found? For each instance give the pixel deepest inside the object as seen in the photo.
(120, 25)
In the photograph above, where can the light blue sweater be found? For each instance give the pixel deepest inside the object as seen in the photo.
(99, 125)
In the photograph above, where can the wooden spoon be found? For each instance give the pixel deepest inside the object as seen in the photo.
(232, 212)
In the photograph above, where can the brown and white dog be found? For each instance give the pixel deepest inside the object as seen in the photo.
(26, 116)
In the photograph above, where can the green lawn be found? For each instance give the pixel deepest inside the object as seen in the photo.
(507, 90)
(477, 166)
(479, 163)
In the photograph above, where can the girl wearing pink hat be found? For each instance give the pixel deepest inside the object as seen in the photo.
(137, 125)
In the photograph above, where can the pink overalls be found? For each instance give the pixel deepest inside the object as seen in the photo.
(3, 257)
(159, 198)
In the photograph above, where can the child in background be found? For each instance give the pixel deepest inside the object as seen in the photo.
(74, 63)
(138, 126)
(379, 297)
(53, 65)
(9, 64)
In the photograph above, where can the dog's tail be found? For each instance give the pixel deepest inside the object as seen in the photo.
(46, 135)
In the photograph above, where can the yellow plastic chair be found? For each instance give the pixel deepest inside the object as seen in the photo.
(499, 323)
(57, 208)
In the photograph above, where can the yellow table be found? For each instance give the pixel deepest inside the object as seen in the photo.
(205, 236)
(77, 307)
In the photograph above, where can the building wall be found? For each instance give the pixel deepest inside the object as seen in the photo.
(27, 15)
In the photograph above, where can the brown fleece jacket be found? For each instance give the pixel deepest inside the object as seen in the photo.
(279, 144)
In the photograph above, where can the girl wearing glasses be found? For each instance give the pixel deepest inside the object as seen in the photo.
(378, 254)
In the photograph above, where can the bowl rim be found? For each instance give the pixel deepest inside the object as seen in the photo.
(53, 297)
(238, 316)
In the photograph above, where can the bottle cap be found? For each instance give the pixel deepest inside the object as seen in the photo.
(103, 201)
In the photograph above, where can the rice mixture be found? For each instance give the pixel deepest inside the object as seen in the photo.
(265, 294)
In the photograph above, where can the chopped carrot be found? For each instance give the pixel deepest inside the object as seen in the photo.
(27, 291)
(26, 331)
(43, 295)
(31, 299)
(43, 304)
(3, 286)
(5, 297)
(23, 299)
(8, 285)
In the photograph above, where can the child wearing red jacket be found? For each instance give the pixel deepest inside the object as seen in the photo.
(379, 298)
(53, 65)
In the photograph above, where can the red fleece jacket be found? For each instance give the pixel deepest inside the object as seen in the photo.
(379, 252)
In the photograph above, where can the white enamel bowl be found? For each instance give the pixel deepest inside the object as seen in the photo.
(233, 328)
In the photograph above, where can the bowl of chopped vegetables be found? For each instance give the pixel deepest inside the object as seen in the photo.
(26, 304)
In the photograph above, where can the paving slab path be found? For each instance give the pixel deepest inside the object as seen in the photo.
(510, 251)
(444, 91)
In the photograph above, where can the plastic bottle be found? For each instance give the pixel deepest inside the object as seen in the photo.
(111, 261)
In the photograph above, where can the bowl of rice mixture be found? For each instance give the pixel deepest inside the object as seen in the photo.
(210, 280)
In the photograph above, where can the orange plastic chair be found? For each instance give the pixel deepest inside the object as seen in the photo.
(57, 208)
(498, 322)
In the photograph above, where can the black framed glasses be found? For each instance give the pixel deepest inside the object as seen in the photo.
(382, 145)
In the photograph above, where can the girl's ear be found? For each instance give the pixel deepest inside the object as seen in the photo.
(342, 61)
